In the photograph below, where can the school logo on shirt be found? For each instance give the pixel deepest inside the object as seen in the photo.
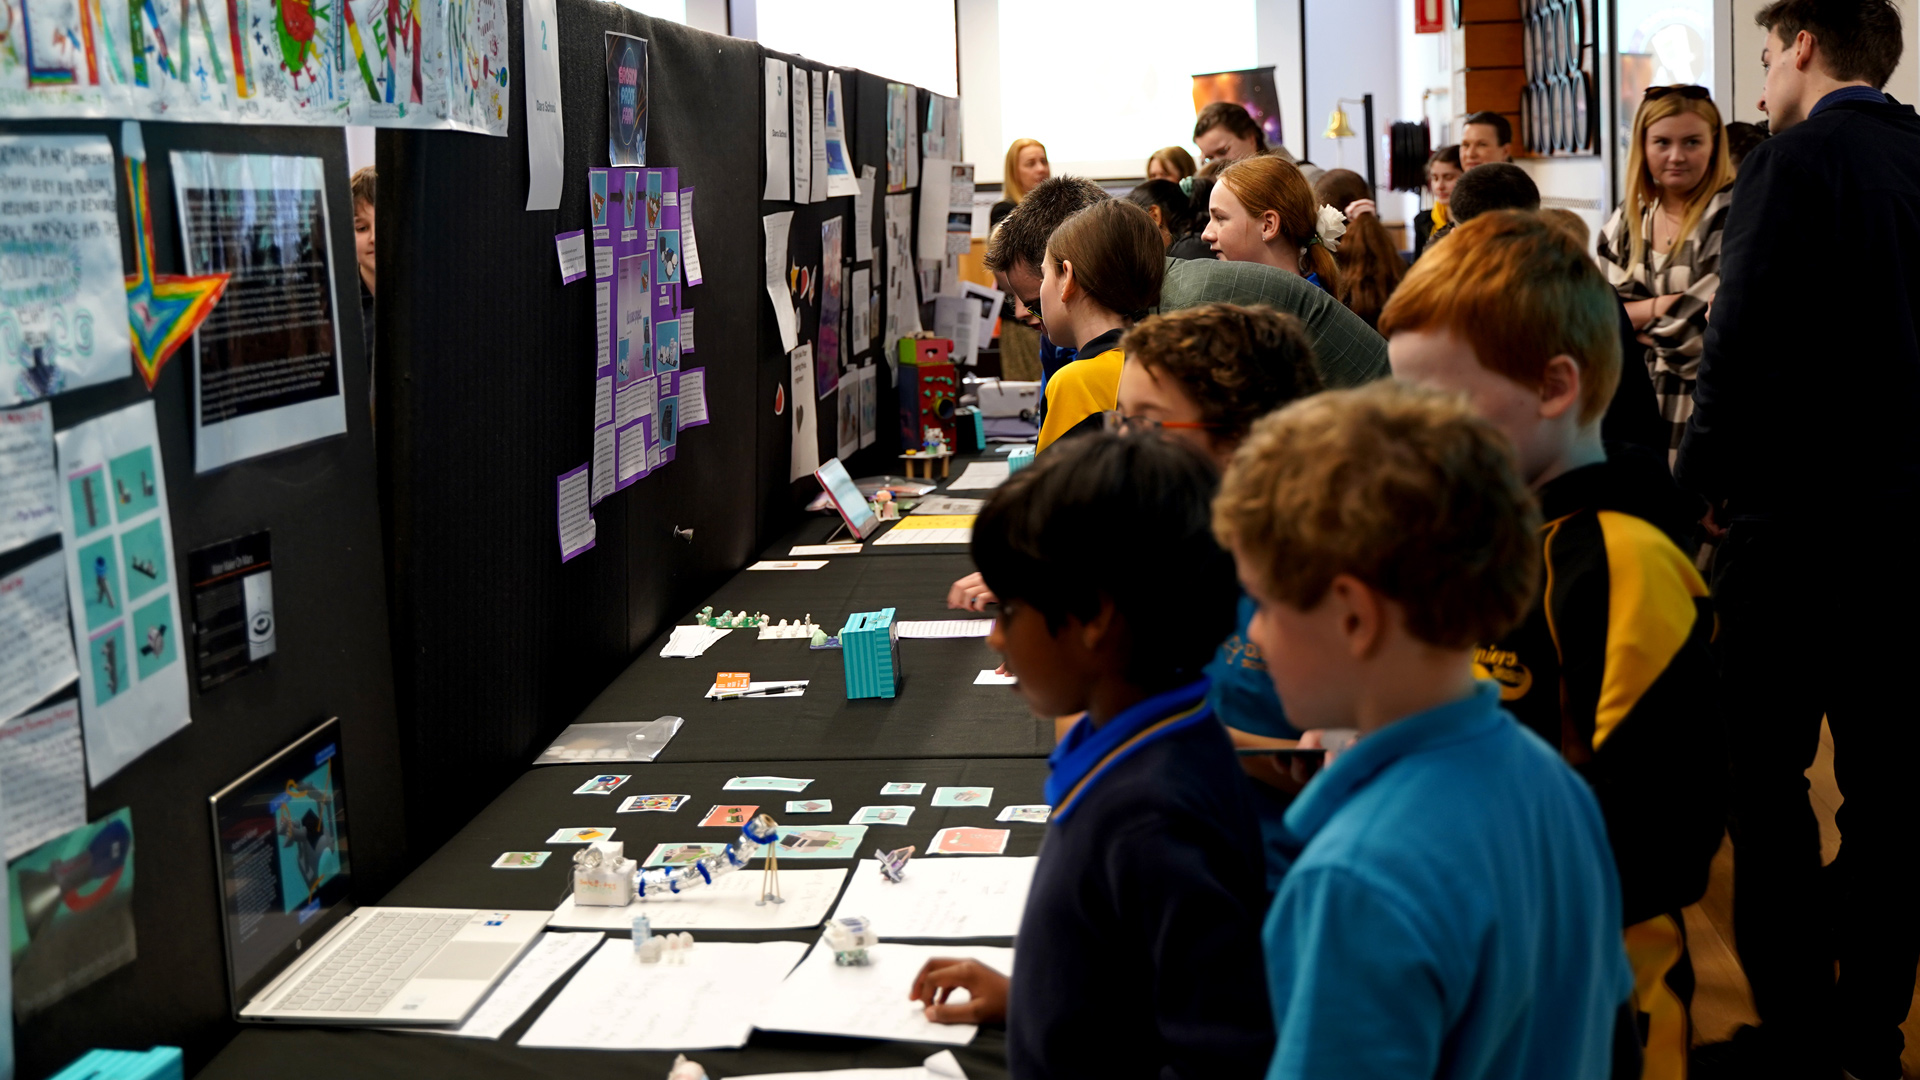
(1242, 653)
(1504, 667)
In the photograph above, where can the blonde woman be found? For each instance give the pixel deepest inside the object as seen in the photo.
(1661, 247)
(1026, 167)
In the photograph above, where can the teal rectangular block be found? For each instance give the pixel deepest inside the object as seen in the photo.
(1019, 458)
(870, 650)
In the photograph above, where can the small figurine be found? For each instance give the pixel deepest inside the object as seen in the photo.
(850, 937)
(819, 640)
(686, 1070)
(705, 618)
(884, 507)
(893, 864)
(645, 946)
(602, 876)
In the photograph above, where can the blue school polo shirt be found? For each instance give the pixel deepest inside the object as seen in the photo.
(1243, 698)
(1452, 910)
(1139, 950)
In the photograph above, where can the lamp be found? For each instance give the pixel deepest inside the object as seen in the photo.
(1338, 128)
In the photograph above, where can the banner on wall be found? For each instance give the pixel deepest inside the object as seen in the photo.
(439, 64)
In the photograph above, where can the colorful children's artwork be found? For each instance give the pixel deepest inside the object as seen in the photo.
(626, 99)
(653, 206)
(597, 197)
(601, 785)
(70, 904)
(729, 816)
(966, 840)
(585, 835)
(898, 788)
(1034, 815)
(681, 854)
(657, 804)
(666, 349)
(520, 860)
(766, 783)
(809, 806)
(883, 815)
(670, 257)
(819, 841)
(963, 796)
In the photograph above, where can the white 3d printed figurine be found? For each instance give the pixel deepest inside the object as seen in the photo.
(602, 875)
(850, 937)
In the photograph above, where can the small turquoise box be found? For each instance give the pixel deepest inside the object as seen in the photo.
(870, 648)
(1019, 458)
(159, 1063)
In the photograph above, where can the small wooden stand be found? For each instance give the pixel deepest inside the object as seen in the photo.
(770, 881)
(914, 460)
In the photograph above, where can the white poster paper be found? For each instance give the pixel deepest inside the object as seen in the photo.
(706, 998)
(575, 510)
(988, 301)
(806, 436)
(863, 216)
(802, 137)
(546, 138)
(266, 362)
(967, 898)
(118, 544)
(818, 129)
(29, 485)
(36, 648)
(840, 178)
(957, 318)
(63, 292)
(43, 779)
(776, 227)
(869, 1000)
(603, 464)
(692, 392)
(779, 124)
(689, 256)
(858, 295)
(686, 331)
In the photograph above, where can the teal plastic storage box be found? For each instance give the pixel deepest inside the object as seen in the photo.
(159, 1063)
(1019, 458)
(871, 651)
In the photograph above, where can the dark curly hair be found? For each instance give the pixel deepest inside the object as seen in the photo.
(1237, 363)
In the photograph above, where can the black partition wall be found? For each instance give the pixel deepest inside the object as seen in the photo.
(332, 654)
(487, 393)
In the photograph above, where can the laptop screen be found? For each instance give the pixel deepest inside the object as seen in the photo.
(280, 833)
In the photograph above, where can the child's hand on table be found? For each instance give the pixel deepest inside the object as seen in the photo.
(986, 992)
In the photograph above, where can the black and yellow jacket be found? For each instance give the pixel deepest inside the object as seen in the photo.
(1611, 666)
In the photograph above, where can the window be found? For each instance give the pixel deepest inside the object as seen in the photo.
(908, 41)
(671, 10)
(1105, 85)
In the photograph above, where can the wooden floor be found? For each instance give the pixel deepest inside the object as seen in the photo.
(1721, 999)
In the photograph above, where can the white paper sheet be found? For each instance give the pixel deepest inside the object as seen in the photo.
(550, 958)
(29, 484)
(840, 178)
(990, 677)
(36, 646)
(77, 280)
(118, 546)
(765, 689)
(870, 1000)
(945, 628)
(825, 549)
(776, 227)
(941, 1066)
(43, 780)
(805, 410)
(869, 382)
(546, 137)
(779, 124)
(706, 1000)
(980, 476)
(863, 215)
(691, 641)
(604, 464)
(939, 898)
(689, 260)
(730, 903)
(947, 504)
(802, 136)
(817, 127)
(901, 535)
(860, 303)
(578, 532)
(789, 564)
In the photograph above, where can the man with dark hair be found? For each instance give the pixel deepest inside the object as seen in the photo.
(1499, 186)
(1803, 443)
(1486, 138)
(1346, 349)
(1633, 419)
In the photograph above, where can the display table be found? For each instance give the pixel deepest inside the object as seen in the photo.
(459, 875)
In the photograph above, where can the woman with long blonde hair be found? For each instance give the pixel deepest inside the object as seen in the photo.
(1262, 210)
(1026, 167)
(1661, 247)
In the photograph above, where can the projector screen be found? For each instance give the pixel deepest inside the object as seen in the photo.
(1105, 86)
(909, 41)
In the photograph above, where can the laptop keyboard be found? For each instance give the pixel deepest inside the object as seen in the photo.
(373, 964)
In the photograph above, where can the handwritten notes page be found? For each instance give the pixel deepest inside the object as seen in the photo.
(870, 1000)
(705, 999)
(969, 898)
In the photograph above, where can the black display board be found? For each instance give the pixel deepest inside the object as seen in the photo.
(487, 397)
(332, 657)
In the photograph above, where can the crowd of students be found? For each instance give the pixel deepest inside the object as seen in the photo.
(1397, 724)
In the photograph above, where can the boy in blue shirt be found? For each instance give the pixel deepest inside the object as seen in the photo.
(1452, 908)
(1138, 952)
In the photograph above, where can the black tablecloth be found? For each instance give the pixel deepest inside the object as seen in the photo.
(459, 875)
(939, 711)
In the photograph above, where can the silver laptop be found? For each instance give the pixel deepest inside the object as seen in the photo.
(298, 951)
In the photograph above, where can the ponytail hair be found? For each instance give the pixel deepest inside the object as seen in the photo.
(1370, 263)
(1267, 183)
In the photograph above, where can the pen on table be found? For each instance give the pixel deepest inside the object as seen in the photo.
(759, 691)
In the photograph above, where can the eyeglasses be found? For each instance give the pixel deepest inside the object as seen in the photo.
(1114, 423)
(1691, 93)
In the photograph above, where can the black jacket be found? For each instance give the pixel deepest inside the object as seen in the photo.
(1811, 378)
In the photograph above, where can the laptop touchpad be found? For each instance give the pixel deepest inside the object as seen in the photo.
(469, 960)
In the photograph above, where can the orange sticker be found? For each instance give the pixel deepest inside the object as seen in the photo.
(733, 680)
